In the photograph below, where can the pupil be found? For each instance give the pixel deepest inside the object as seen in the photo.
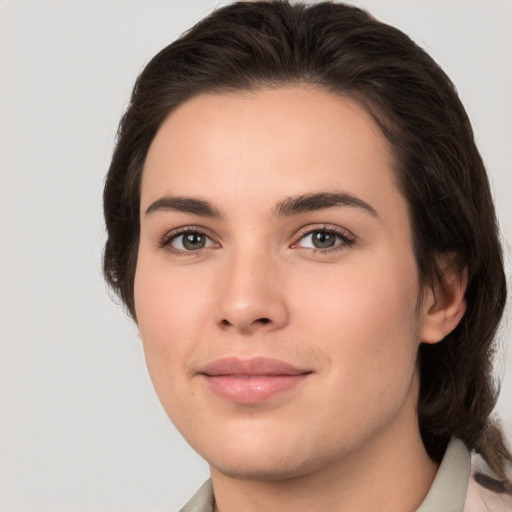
(193, 241)
(323, 240)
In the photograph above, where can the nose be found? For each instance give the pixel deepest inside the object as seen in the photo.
(251, 295)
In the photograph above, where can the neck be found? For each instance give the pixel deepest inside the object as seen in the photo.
(390, 473)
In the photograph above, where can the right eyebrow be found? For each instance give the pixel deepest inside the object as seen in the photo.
(185, 205)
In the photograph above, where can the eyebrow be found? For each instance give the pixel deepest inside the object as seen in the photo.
(290, 206)
(320, 201)
(185, 205)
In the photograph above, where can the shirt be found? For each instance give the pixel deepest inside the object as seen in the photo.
(453, 489)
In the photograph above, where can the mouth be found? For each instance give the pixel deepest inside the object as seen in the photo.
(251, 381)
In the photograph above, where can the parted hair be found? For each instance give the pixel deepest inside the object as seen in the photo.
(343, 49)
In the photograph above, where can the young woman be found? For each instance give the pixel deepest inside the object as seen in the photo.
(301, 225)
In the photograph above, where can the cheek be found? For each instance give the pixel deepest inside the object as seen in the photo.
(365, 318)
(171, 315)
(167, 303)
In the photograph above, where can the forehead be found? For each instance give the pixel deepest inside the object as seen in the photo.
(269, 143)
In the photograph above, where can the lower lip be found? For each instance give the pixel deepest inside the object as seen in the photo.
(253, 389)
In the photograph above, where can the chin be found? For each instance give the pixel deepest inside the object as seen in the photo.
(267, 460)
(269, 470)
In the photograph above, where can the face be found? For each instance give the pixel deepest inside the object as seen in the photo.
(276, 289)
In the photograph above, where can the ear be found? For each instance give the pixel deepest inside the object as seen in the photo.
(443, 304)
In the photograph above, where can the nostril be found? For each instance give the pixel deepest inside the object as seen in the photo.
(245, 325)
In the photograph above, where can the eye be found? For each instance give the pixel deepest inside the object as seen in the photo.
(188, 241)
(325, 239)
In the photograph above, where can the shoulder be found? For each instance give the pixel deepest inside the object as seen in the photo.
(484, 492)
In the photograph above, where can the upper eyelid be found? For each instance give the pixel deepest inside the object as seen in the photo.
(338, 230)
(166, 239)
(188, 229)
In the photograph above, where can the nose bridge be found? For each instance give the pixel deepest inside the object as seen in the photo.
(251, 296)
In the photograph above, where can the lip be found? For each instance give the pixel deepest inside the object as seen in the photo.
(251, 381)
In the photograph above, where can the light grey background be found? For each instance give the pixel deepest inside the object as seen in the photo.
(80, 426)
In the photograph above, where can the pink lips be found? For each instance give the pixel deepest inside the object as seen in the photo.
(250, 381)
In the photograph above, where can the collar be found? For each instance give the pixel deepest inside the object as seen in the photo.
(202, 501)
(450, 486)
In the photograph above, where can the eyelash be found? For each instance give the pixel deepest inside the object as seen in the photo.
(347, 240)
(175, 234)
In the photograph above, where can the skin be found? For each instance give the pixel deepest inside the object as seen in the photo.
(346, 437)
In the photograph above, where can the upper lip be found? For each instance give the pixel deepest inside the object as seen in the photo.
(255, 366)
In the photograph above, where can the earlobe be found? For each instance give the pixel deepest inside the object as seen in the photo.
(444, 304)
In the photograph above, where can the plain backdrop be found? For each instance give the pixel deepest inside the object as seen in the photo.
(80, 426)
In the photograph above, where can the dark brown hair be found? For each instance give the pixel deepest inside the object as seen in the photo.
(245, 46)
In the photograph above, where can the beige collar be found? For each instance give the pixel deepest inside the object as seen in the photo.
(450, 486)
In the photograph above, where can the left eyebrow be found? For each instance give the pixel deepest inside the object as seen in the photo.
(320, 201)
